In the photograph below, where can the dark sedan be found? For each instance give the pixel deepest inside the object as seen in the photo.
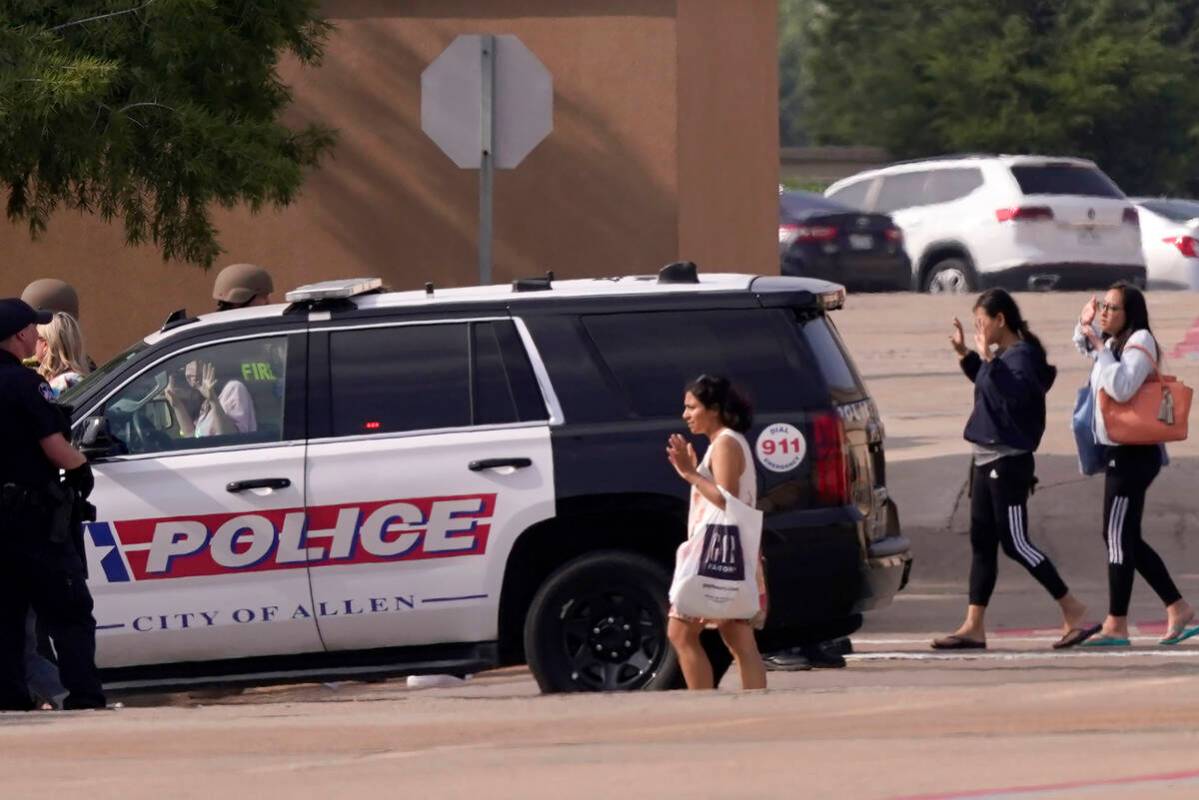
(821, 238)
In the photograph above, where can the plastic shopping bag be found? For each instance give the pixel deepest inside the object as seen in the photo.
(716, 569)
(1092, 456)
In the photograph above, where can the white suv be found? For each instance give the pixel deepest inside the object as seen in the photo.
(1020, 222)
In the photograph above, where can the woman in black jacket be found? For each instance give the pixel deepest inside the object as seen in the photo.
(1011, 377)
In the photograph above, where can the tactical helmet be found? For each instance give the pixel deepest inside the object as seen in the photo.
(51, 294)
(238, 284)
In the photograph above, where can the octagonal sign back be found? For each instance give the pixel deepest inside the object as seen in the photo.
(452, 101)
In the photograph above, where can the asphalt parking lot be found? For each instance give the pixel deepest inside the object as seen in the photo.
(899, 722)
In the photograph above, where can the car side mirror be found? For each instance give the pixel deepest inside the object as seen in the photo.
(96, 441)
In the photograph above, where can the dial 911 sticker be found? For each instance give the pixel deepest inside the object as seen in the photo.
(781, 447)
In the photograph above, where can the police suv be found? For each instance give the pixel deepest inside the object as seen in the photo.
(450, 480)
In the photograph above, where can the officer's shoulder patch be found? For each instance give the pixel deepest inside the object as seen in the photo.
(46, 392)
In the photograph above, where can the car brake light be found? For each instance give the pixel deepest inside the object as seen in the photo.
(807, 233)
(830, 461)
(1131, 216)
(1024, 213)
(1186, 245)
(371, 425)
(894, 235)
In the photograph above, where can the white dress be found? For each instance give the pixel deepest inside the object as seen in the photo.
(747, 489)
(747, 492)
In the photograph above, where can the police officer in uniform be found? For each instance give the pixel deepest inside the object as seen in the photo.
(242, 286)
(41, 558)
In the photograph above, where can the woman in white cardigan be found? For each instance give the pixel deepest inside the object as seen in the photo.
(1126, 353)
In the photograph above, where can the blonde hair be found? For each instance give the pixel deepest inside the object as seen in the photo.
(64, 347)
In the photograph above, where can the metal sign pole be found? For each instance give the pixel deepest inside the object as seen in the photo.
(487, 167)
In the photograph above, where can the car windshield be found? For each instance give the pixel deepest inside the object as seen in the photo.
(1064, 179)
(1176, 210)
(68, 397)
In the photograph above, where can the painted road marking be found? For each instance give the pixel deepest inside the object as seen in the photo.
(1055, 789)
(1021, 655)
(925, 639)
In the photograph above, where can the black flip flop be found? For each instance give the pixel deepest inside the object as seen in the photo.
(1076, 636)
(955, 642)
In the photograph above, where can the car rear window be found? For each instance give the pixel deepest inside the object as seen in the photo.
(1064, 179)
(832, 358)
(853, 195)
(1176, 210)
(654, 355)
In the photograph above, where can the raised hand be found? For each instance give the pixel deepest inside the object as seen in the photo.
(208, 382)
(1088, 312)
(681, 456)
(958, 338)
(980, 342)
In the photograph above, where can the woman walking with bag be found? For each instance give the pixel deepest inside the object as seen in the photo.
(1011, 377)
(1125, 353)
(713, 408)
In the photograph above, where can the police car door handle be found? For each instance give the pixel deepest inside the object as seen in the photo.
(506, 464)
(258, 483)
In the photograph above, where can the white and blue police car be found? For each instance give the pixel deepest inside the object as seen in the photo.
(451, 480)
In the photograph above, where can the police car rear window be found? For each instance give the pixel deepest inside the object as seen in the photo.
(425, 377)
(654, 355)
(830, 354)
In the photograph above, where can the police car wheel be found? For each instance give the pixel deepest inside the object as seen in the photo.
(599, 624)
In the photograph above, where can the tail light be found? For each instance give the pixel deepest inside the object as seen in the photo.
(1186, 245)
(1131, 216)
(830, 460)
(894, 235)
(808, 233)
(1024, 213)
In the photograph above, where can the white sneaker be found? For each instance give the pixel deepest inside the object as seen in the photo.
(434, 681)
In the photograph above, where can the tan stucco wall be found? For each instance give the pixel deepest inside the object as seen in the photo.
(665, 146)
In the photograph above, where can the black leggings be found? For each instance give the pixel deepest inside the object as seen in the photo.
(999, 516)
(1130, 471)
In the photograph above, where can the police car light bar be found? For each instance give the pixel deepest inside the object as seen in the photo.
(333, 290)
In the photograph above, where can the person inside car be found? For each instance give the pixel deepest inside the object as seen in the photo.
(206, 406)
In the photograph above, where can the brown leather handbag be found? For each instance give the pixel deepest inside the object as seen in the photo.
(1156, 414)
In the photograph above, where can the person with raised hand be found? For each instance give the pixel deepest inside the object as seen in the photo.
(1011, 377)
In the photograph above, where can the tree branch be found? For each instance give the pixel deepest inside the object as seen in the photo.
(98, 17)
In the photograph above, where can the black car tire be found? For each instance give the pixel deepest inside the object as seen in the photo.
(949, 276)
(575, 632)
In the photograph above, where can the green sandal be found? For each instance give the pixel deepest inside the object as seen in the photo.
(1106, 641)
(1181, 636)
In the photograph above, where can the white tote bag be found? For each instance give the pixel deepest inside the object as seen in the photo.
(715, 570)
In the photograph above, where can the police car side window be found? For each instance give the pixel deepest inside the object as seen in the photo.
(505, 387)
(653, 355)
(425, 377)
(221, 394)
(406, 378)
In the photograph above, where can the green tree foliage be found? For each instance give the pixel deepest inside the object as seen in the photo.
(1112, 80)
(152, 111)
